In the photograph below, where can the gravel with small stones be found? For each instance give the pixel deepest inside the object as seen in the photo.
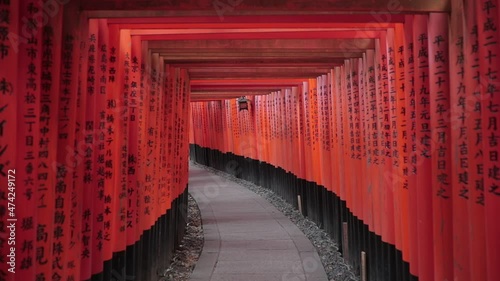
(335, 266)
(186, 256)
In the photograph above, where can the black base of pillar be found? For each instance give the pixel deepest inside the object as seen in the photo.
(150, 256)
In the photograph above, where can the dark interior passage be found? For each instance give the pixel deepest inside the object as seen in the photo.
(381, 115)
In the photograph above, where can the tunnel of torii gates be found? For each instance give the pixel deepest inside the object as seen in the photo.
(381, 115)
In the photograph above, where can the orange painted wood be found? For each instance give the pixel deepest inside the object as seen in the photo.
(386, 188)
(423, 147)
(314, 123)
(267, 35)
(116, 78)
(131, 58)
(106, 175)
(342, 121)
(307, 131)
(28, 93)
(299, 132)
(440, 146)
(400, 153)
(349, 131)
(86, 136)
(411, 125)
(379, 142)
(371, 140)
(228, 9)
(363, 139)
(475, 155)
(353, 113)
(51, 183)
(487, 17)
(327, 130)
(392, 175)
(95, 106)
(276, 21)
(459, 145)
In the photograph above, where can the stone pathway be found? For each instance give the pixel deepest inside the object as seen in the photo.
(246, 238)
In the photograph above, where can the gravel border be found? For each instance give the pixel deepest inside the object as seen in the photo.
(335, 266)
(189, 251)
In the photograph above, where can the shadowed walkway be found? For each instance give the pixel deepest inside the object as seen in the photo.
(246, 238)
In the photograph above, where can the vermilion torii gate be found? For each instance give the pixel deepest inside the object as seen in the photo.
(382, 114)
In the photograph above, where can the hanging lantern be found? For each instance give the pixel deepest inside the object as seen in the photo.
(243, 103)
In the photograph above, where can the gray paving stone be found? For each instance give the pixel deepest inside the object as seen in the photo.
(281, 244)
(290, 227)
(259, 266)
(303, 244)
(211, 246)
(258, 277)
(205, 266)
(311, 263)
(261, 254)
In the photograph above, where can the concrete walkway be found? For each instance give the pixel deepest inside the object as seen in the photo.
(246, 238)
